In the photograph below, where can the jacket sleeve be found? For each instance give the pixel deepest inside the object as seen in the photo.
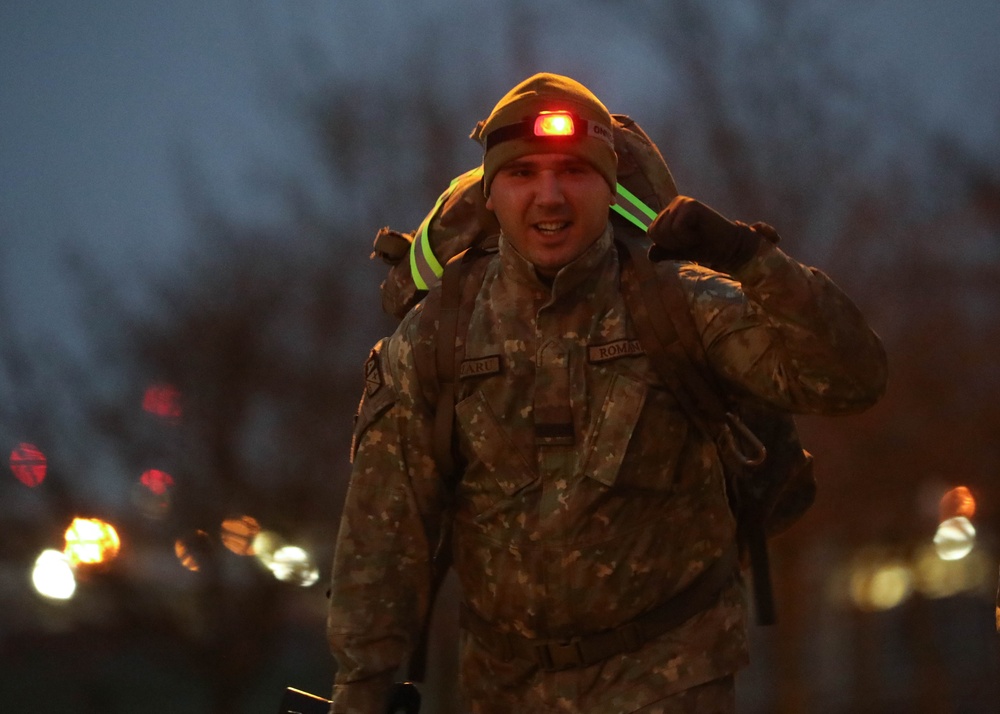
(381, 570)
(784, 333)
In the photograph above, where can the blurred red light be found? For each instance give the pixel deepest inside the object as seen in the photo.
(28, 464)
(157, 481)
(554, 124)
(162, 400)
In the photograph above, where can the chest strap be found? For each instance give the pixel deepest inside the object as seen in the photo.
(585, 650)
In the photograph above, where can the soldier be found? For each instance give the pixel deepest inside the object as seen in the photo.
(590, 527)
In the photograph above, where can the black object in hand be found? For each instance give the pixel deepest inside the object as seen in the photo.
(404, 698)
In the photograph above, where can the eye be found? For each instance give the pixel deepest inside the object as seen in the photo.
(517, 171)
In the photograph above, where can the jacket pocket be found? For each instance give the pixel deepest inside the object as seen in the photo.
(499, 465)
(638, 441)
(658, 444)
(610, 437)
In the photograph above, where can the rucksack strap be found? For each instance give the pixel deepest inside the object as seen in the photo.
(437, 371)
(632, 208)
(675, 350)
(671, 340)
(460, 281)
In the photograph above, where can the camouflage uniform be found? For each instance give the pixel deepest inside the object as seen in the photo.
(561, 532)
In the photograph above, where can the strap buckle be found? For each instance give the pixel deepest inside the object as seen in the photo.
(630, 637)
(555, 656)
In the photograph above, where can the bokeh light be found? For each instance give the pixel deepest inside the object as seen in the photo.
(91, 541)
(162, 400)
(936, 578)
(957, 502)
(265, 545)
(292, 564)
(152, 493)
(191, 550)
(156, 481)
(53, 575)
(881, 586)
(955, 538)
(238, 534)
(28, 463)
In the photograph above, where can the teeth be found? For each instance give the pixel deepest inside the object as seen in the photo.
(551, 226)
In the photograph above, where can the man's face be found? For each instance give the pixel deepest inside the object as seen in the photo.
(551, 207)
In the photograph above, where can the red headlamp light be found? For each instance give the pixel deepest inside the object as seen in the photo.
(558, 125)
(554, 124)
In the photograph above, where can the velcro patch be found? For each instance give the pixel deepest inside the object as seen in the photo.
(614, 350)
(480, 367)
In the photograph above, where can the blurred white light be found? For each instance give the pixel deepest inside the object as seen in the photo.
(265, 544)
(53, 575)
(292, 564)
(955, 538)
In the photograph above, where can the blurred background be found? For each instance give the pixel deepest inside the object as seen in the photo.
(188, 197)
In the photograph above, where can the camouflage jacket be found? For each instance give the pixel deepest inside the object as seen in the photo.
(587, 498)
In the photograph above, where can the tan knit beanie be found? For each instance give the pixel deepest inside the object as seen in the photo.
(509, 131)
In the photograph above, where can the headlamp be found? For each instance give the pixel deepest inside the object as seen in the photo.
(551, 125)
(554, 124)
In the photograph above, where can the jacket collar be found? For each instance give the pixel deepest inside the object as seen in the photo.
(570, 276)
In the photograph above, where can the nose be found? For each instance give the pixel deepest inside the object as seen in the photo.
(549, 191)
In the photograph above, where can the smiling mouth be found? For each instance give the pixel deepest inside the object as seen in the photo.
(551, 227)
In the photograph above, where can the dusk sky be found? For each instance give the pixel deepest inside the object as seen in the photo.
(98, 101)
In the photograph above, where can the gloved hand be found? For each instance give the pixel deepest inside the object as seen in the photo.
(689, 230)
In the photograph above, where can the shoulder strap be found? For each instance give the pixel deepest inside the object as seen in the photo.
(460, 282)
(670, 339)
(446, 316)
(662, 316)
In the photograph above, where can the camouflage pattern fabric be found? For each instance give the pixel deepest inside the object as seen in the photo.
(587, 499)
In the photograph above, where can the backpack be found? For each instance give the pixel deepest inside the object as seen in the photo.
(769, 475)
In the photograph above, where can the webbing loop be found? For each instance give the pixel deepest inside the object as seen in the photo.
(425, 268)
(632, 209)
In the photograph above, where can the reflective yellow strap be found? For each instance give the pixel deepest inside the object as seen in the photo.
(425, 268)
(632, 209)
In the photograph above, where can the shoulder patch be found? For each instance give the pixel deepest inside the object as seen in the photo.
(376, 398)
(373, 373)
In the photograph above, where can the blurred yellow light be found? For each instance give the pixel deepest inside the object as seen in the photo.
(190, 549)
(264, 546)
(90, 541)
(238, 534)
(881, 587)
(955, 538)
(937, 578)
(53, 575)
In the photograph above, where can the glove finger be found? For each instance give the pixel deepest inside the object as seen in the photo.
(664, 227)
